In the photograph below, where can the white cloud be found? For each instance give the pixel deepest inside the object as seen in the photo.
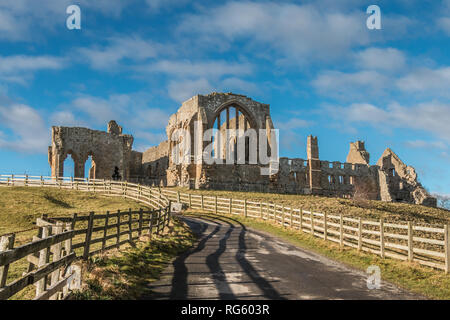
(208, 69)
(30, 133)
(432, 117)
(150, 118)
(130, 110)
(426, 144)
(428, 81)
(185, 89)
(64, 118)
(24, 20)
(20, 68)
(239, 85)
(101, 110)
(351, 86)
(119, 49)
(157, 5)
(299, 33)
(10, 64)
(444, 24)
(295, 123)
(386, 59)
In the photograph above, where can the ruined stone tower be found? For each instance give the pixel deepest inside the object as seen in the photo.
(314, 172)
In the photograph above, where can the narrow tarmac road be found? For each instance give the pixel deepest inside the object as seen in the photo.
(233, 262)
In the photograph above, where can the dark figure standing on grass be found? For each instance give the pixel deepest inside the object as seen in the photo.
(116, 175)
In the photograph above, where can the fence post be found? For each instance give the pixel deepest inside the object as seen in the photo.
(130, 224)
(74, 221)
(26, 180)
(202, 206)
(88, 235)
(341, 232)
(178, 196)
(215, 204)
(151, 224)
(141, 217)
(105, 230)
(245, 207)
(410, 242)
(301, 219)
(382, 238)
(312, 221)
(190, 200)
(231, 205)
(158, 221)
(118, 229)
(283, 215)
(260, 210)
(41, 285)
(169, 213)
(325, 225)
(56, 250)
(6, 243)
(360, 234)
(447, 248)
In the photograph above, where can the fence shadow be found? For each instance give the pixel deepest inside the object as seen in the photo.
(225, 229)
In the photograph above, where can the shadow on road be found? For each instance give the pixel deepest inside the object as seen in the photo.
(231, 234)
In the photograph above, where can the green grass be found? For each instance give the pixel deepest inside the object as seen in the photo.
(428, 282)
(21, 206)
(125, 274)
(363, 208)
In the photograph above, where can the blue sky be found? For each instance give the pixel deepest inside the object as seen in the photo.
(315, 62)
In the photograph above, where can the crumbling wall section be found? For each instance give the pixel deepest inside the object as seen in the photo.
(108, 150)
(398, 181)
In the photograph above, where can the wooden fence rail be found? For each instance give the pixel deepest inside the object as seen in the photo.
(62, 240)
(425, 244)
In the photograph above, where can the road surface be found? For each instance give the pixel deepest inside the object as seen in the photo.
(233, 262)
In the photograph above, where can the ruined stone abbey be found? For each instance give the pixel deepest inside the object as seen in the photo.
(112, 157)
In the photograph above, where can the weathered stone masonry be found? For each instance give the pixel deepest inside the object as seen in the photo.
(389, 180)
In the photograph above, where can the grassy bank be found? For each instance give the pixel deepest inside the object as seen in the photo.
(413, 277)
(125, 274)
(21, 206)
(362, 208)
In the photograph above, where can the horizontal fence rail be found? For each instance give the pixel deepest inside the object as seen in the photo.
(62, 240)
(425, 244)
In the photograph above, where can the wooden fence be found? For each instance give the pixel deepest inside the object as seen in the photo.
(425, 244)
(62, 240)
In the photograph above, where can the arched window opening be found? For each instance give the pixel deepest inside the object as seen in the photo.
(69, 165)
(229, 123)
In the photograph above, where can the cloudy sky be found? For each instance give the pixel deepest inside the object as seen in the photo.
(315, 62)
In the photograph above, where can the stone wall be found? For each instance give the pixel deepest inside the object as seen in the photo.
(109, 150)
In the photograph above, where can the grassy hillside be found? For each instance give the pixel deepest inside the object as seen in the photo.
(361, 208)
(20, 206)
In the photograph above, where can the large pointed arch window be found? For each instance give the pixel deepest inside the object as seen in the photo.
(232, 124)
